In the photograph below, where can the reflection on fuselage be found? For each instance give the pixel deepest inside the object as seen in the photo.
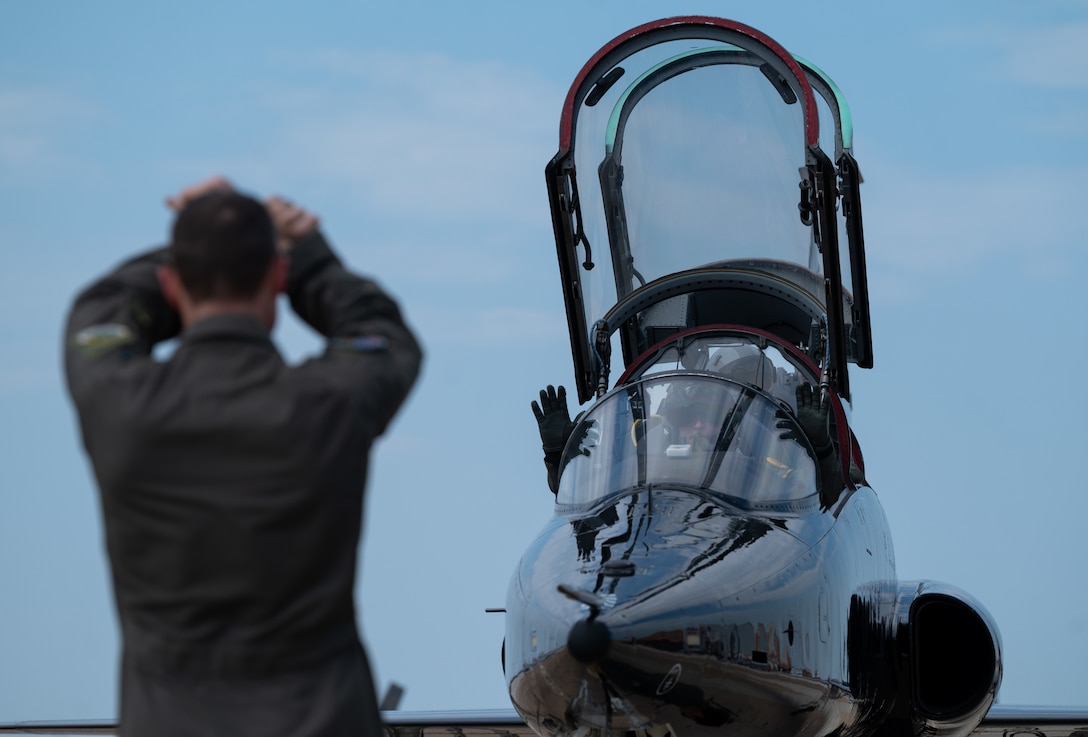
(715, 615)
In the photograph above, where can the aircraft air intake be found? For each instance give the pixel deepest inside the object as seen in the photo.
(954, 657)
(954, 654)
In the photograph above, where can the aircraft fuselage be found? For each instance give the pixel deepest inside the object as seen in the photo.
(714, 616)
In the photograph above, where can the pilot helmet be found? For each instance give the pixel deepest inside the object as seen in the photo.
(689, 401)
(754, 369)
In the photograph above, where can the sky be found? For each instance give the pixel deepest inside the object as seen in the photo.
(419, 133)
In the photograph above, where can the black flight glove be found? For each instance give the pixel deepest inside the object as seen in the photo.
(812, 414)
(553, 420)
(812, 411)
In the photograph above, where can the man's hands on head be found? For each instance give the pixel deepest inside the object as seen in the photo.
(190, 193)
(292, 222)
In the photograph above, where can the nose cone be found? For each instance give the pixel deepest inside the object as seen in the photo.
(668, 609)
(589, 641)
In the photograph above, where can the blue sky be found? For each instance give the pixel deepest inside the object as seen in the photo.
(419, 132)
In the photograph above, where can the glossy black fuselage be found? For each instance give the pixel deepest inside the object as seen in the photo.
(716, 615)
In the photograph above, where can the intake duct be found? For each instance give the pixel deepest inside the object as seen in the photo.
(949, 658)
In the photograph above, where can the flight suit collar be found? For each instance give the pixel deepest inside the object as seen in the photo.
(230, 326)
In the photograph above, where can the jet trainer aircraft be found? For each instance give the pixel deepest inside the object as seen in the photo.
(715, 567)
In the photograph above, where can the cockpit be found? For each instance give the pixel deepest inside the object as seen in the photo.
(744, 355)
(720, 431)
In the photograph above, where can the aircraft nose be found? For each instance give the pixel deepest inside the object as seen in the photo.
(589, 641)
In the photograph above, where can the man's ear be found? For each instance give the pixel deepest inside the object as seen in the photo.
(279, 273)
(170, 284)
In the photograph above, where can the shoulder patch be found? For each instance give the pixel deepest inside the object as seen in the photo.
(95, 340)
(360, 343)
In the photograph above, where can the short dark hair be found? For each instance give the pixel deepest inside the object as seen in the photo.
(223, 244)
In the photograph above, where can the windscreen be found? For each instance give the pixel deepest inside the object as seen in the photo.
(689, 431)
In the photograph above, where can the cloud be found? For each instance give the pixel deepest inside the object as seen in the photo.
(17, 382)
(1020, 209)
(1061, 123)
(924, 226)
(490, 327)
(1049, 57)
(30, 108)
(33, 122)
(1046, 56)
(419, 135)
(422, 136)
(467, 264)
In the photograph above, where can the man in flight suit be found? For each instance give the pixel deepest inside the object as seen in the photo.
(232, 483)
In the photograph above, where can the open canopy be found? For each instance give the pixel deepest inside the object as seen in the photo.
(691, 188)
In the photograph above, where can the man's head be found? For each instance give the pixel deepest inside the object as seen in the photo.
(690, 409)
(224, 250)
(223, 244)
(755, 369)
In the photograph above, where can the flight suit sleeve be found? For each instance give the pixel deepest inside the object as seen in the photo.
(369, 349)
(831, 482)
(117, 319)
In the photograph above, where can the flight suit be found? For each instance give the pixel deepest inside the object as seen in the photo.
(231, 487)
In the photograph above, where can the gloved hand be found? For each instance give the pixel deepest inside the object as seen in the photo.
(812, 410)
(812, 415)
(553, 418)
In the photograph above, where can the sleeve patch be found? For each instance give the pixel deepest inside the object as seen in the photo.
(360, 343)
(95, 340)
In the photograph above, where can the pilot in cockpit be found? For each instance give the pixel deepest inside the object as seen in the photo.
(692, 422)
(693, 426)
(811, 407)
(754, 368)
